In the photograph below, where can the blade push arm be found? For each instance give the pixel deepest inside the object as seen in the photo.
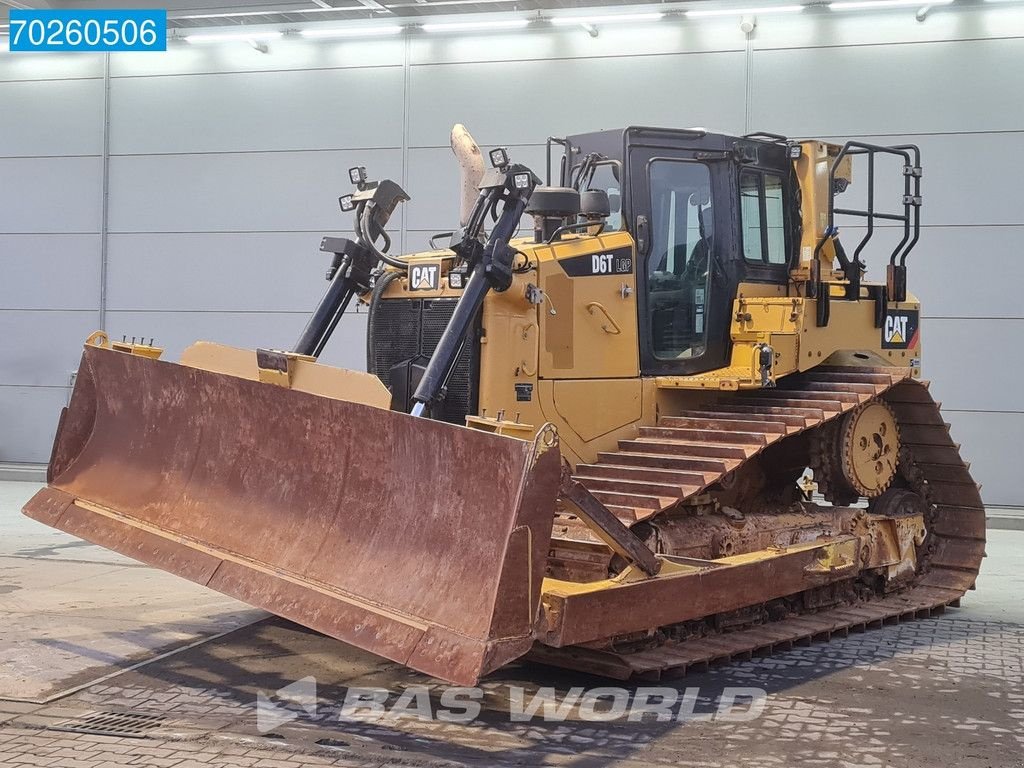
(490, 266)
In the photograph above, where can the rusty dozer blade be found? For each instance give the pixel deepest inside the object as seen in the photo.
(417, 540)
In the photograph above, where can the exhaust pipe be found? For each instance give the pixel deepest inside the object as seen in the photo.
(471, 169)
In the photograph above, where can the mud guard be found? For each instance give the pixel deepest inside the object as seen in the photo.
(417, 540)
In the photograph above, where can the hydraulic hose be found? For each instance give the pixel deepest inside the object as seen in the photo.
(367, 240)
(380, 285)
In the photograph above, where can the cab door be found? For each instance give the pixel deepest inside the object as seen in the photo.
(683, 217)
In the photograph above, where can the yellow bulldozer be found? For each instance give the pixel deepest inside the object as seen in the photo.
(671, 426)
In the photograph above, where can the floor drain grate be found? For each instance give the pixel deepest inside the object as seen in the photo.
(125, 724)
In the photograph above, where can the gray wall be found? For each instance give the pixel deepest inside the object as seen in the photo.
(223, 166)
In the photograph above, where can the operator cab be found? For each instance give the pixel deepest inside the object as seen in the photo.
(707, 212)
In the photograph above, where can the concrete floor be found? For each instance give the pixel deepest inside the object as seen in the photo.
(86, 631)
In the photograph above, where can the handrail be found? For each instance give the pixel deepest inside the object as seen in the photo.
(910, 218)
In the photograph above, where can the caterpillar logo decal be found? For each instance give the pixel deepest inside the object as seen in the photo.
(618, 261)
(425, 277)
(900, 329)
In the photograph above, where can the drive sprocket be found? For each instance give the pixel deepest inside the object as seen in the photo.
(857, 456)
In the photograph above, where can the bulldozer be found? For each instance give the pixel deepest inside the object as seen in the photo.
(671, 426)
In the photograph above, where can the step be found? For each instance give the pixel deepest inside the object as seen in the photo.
(726, 424)
(646, 474)
(627, 515)
(856, 388)
(687, 448)
(849, 376)
(780, 400)
(636, 500)
(740, 418)
(720, 466)
(858, 371)
(829, 394)
(708, 435)
(810, 415)
(643, 488)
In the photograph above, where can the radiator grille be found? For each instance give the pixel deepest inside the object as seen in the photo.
(405, 328)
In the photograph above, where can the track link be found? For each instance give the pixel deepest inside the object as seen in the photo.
(685, 454)
(949, 558)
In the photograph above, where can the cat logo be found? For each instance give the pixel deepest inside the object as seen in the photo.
(899, 329)
(425, 277)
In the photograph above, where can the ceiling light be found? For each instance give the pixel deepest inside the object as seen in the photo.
(226, 36)
(564, 21)
(467, 26)
(272, 12)
(748, 11)
(392, 29)
(860, 5)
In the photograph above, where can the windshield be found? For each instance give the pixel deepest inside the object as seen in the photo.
(682, 234)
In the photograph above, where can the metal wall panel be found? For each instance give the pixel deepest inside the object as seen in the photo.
(42, 347)
(434, 184)
(959, 184)
(925, 87)
(613, 42)
(868, 29)
(50, 66)
(968, 272)
(49, 272)
(976, 259)
(176, 330)
(961, 358)
(286, 54)
(991, 443)
(248, 192)
(29, 417)
(247, 272)
(40, 194)
(501, 101)
(247, 111)
(51, 117)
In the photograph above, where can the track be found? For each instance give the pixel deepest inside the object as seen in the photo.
(687, 454)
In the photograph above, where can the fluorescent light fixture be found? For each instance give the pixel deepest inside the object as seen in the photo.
(469, 26)
(222, 37)
(392, 29)
(865, 5)
(747, 11)
(268, 12)
(565, 21)
(447, 2)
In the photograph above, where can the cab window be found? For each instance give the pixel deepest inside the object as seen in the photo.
(763, 218)
(606, 176)
(682, 233)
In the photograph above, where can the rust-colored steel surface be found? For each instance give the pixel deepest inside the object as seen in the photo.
(671, 462)
(367, 525)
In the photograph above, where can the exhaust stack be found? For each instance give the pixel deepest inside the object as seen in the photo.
(471, 169)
